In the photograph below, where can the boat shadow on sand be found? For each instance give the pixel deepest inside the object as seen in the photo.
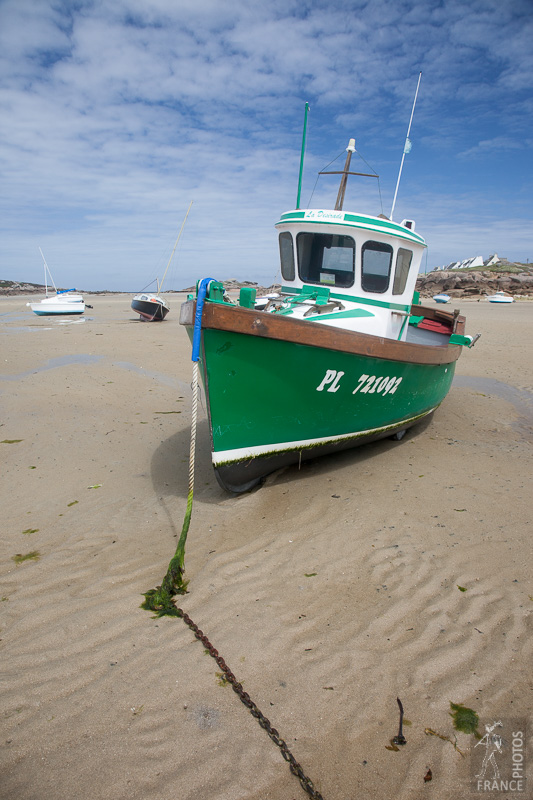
(170, 464)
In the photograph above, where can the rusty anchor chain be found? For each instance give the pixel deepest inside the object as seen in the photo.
(305, 782)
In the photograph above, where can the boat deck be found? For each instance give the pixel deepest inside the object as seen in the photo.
(421, 336)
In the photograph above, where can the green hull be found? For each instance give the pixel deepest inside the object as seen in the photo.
(273, 402)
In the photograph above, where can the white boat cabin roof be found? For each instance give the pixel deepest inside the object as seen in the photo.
(381, 224)
(353, 255)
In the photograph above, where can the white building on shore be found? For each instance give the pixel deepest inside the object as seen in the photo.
(476, 261)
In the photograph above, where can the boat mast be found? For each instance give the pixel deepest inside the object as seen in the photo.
(346, 171)
(159, 285)
(407, 146)
(46, 270)
(302, 157)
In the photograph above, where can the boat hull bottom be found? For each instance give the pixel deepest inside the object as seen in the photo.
(71, 312)
(242, 476)
(149, 312)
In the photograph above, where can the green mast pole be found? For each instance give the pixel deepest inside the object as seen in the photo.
(302, 157)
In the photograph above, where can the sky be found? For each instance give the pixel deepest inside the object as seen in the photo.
(115, 115)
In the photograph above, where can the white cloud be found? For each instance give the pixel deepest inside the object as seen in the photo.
(115, 115)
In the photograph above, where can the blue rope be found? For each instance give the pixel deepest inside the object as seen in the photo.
(197, 334)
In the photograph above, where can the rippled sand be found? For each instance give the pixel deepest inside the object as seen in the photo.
(330, 591)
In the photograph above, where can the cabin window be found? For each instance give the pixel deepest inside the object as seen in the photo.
(326, 258)
(286, 254)
(376, 265)
(403, 262)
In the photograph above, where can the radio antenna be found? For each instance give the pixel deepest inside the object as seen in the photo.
(407, 146)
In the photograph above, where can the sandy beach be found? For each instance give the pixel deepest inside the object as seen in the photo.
(399, 569)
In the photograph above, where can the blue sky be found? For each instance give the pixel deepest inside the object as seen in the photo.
(115, 115)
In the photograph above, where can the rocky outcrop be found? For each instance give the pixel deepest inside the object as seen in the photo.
(470, 283)
(15, 288)
(12, 288)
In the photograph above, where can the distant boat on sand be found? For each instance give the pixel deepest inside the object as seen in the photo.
(65, 301)
(152, 307)
(500, 297)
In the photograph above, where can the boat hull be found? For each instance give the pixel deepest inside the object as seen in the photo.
(280, 390)
(57, 309)
(150, 310)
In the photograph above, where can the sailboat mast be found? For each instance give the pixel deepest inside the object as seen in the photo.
(174, 248)
(46, 273)
(344, 180)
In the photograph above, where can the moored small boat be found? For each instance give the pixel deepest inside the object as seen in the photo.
(500, 297)
(344, 354)
(62, 302)
(441, 298)
(150, 307)
(58, 305)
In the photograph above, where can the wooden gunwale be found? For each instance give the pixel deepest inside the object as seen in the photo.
(224, 317)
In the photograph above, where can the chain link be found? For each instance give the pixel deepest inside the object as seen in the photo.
(294, 766)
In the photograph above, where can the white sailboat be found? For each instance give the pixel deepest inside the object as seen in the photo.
(152, 307)
(66, 301)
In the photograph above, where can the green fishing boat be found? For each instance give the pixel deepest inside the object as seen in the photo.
(342, 355)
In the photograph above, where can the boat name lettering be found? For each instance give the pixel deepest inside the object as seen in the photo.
(367, 384)
(324, 215)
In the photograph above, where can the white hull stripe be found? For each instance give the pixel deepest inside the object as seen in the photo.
(243, 453)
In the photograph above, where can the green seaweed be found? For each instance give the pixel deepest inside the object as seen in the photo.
(462, 588)
(161, 599)
(11, 441)
(33, 556)
(95, 486)
(310, 574)
(72, 504)
(30, 530)
(465, 719)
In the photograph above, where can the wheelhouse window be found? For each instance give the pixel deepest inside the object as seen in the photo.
(286, 254)
(326, 258)
(376, 267)
(403, 262)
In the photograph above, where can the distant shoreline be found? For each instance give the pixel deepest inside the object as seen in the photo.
(14, 288)
(514, 279)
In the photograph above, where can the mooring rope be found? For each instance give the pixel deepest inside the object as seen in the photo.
(194, 416)
(161, 599)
